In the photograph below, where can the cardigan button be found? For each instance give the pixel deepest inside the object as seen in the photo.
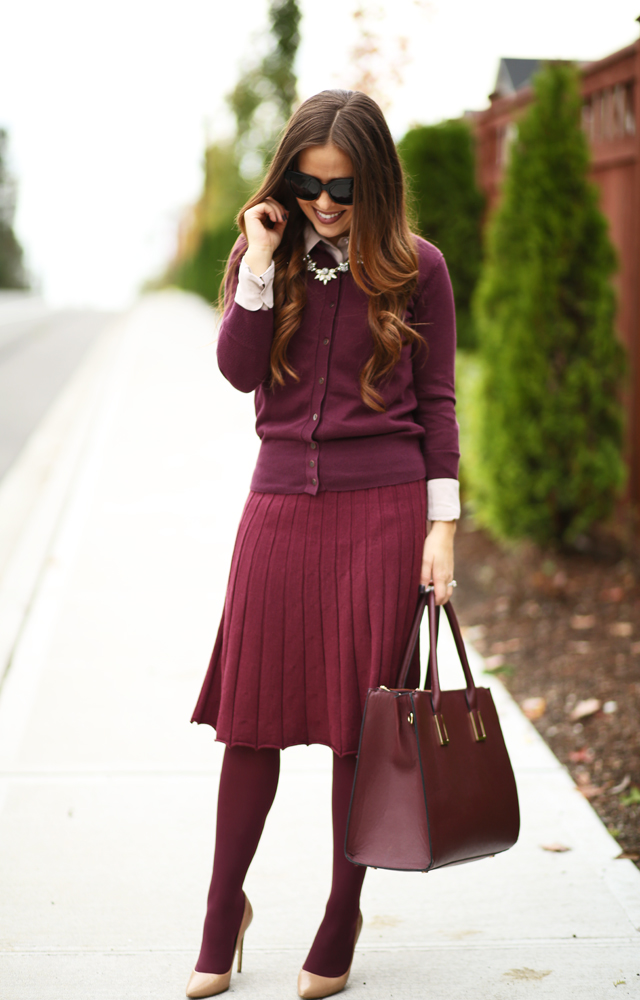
(315, 416)
(313, 446)
(325, 341)
(320, 380)
(312, 463)
(314, 482)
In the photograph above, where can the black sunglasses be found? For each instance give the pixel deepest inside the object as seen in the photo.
(308, 188)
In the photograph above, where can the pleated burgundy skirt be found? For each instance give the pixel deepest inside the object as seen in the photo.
(319, 604)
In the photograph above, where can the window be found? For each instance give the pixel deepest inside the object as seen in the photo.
(609, 113)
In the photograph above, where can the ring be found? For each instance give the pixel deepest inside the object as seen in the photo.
(452, 584)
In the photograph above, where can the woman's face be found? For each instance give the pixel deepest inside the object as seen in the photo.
(326, 163)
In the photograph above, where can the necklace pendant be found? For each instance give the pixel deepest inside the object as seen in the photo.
(325, 275)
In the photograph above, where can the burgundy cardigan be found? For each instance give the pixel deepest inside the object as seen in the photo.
(316, 433)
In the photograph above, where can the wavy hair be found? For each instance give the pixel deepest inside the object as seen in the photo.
(382, 254)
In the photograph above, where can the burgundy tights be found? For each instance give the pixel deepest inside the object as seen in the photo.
(248, 784)
(332, 949)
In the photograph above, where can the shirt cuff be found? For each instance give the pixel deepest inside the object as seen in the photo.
(255, 293)
(443, 499)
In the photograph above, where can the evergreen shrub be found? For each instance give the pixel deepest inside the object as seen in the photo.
(550, 429)
(447, 206)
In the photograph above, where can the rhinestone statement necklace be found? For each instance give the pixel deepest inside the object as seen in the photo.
(325, 274)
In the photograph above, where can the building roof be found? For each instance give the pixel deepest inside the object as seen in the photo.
(514, 74)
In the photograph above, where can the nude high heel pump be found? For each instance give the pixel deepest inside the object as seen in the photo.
(312, 987)
(209, 984)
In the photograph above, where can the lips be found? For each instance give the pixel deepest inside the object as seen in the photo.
(328, 218)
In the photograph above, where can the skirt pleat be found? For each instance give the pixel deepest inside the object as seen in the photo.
(319, 604)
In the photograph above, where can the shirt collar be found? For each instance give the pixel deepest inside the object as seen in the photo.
(312, 238)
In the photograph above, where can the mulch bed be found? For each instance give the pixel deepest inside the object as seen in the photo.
(562, 630)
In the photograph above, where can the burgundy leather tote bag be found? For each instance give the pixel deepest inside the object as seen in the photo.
(434, 784)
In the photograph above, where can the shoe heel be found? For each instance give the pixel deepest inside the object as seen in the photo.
(240, 947)
(204, 984)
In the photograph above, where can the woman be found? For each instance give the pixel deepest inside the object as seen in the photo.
(342, 322)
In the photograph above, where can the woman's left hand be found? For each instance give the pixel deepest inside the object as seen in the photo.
(437, 559)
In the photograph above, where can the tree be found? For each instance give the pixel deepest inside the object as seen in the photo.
(448, 206)
(269, 87)
(12, 273)
(550, 425)
(261, 102)
(378, 57)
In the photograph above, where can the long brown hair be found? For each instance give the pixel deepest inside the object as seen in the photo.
(382, 255)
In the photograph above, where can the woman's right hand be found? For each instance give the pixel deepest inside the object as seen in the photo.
(264, 240)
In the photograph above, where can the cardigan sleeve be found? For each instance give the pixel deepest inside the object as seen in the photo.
(434, 372)
(244, 336)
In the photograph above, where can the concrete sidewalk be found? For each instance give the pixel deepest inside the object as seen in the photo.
(107, 794)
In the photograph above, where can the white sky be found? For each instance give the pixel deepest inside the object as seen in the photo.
(108, 105)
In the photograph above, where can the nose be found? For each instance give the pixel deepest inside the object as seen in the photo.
(324, 202)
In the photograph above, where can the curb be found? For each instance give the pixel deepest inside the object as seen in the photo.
(619, 874)
(34, 492)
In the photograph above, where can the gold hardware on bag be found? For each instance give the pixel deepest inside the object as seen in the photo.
(383, 687)
(410, 718)
(443, 735)
(478, 727)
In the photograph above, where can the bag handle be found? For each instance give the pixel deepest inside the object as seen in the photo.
(413, 636)
(426, 596)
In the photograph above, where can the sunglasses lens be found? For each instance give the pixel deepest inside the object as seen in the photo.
(341, 191)
(308, 188)
(303, 186)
